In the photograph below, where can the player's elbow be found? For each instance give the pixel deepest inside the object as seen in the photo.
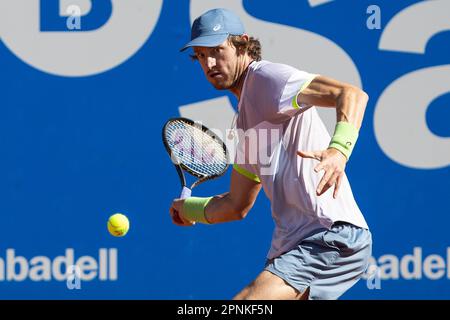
(363, 96)
(241, 211)
(356, 93)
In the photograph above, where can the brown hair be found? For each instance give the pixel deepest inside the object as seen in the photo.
(252, 46)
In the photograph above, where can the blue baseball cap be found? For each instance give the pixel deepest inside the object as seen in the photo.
(213, 27)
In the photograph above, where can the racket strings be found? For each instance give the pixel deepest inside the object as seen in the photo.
(196, 149)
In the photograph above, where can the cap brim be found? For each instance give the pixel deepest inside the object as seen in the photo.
(206, 41)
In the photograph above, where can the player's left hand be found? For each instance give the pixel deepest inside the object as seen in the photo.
(333, 162)
(176, 213)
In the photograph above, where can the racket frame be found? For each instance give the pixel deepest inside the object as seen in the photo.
(180, 167)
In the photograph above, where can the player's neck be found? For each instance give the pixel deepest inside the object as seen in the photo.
(236, 89)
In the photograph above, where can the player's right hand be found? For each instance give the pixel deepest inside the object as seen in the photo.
(176, 213)
(333, 162)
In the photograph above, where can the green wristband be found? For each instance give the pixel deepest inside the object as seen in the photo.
(344, 138)
(194, 209)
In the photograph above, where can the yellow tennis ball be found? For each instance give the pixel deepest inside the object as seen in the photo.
(118, 225)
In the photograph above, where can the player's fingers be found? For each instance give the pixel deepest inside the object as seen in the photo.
(329, 179)
(175, 215)
(332, 181)
(171, 211)
(179, 215)
(180, 221)
(337, 186)
(174, 206)
(320, 167)
(186, 223)
(177, 220)
(310, 154)
(324, 184)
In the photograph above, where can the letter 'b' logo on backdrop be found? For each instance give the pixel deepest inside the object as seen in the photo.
(111, 32)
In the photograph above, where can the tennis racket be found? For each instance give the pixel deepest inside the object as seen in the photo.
(195, 149)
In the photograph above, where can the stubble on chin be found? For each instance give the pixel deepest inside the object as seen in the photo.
(221, 86)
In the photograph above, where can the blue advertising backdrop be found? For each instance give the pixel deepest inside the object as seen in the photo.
(83, 101)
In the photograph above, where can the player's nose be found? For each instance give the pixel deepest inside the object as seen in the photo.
(210, 62)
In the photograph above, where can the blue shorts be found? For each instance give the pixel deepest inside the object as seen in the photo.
(329, 262)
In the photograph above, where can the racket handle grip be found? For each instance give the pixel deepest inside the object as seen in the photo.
(185, 193)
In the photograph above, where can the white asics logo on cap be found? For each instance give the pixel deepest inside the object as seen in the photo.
(217, 27)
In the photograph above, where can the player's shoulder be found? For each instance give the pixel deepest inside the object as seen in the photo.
(267, 70)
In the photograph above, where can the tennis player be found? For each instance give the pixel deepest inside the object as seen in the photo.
(321, 243)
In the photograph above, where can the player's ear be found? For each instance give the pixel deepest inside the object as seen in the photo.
(245, 37)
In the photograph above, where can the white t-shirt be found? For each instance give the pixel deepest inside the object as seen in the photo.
(272, 127)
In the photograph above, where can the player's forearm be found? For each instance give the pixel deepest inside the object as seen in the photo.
(222, 208)
(229, 206)
(349, 101)
(351, 105)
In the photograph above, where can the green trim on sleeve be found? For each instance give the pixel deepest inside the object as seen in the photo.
(294, 101)
(304, 86)
(246, 173)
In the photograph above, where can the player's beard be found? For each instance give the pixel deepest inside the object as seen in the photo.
(224, 83)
